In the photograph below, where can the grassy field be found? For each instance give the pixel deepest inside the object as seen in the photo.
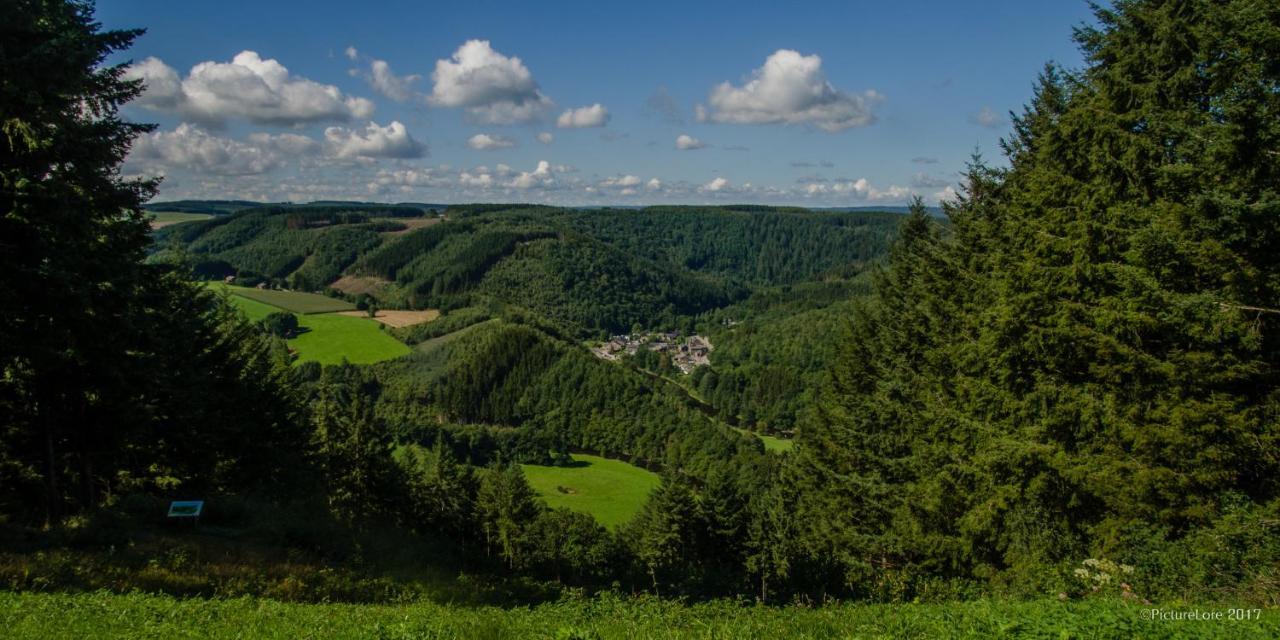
(136, 615)
(327, 338)
(330, 338)
(166, 218)
(610, 490)
(294, 301)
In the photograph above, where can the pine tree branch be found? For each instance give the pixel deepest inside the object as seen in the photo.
(1245, 307)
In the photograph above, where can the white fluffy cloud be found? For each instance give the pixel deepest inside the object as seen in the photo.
(391, 141)
(493, 88)
(653, 184)
(624, 181)
(718, 184)
(411, 177)
(486, 142)
(595, 115)
(248, 87)
(686, 142)
(289, 144)
(190, 147)
(545, 137)
(859, 189)
(387, 83)
(789, 89)
(541, 176)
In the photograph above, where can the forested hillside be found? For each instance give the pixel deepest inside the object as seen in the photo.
(589, 271)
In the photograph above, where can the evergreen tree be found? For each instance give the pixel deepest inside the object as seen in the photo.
(1091, 351)
(662, 535)
(352, 451)
(115, 375)
(506, 506)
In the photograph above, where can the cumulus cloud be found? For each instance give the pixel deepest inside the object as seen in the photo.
(412, 177)
(190, 147)
(621, 181)
(859, 189)
(478, 179)
(687, 143)
(595, 115)
(653, 184)
(387, 83)
(352, 53)
(718, 184)
(290, 144)
(545, 137)
(948, 194)
(391, 141)
(540, 176)
(486, 142)
(986, 117)
(492, 87)
(248, 87)
(789, 89)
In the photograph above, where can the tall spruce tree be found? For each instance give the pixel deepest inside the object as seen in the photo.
(114, 375)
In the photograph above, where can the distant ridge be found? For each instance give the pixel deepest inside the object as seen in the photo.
(221, 207)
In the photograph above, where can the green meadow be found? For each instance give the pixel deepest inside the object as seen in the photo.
(611, 490)
(331, 338)
(295, 301)
(165, 218)
(325, 337)
(136, 615)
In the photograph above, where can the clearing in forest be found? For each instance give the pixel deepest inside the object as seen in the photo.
(610, 490)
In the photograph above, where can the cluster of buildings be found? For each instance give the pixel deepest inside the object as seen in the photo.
(686, 353)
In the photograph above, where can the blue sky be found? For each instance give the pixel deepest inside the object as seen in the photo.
(815, 103)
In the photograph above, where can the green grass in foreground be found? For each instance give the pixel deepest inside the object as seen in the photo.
(610, 490)
(166, 218)
(295, 301)
(104, 615)
(329, 338)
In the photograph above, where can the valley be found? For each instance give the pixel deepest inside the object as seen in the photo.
(483, 321)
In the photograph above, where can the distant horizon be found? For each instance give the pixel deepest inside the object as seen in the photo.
(887, 208)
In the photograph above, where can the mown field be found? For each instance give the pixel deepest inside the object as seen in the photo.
(327, 338)
(165, 218)
(295, 301)
(104, 615)
(610, 490)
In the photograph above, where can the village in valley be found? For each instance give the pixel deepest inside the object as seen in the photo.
(686, 353)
